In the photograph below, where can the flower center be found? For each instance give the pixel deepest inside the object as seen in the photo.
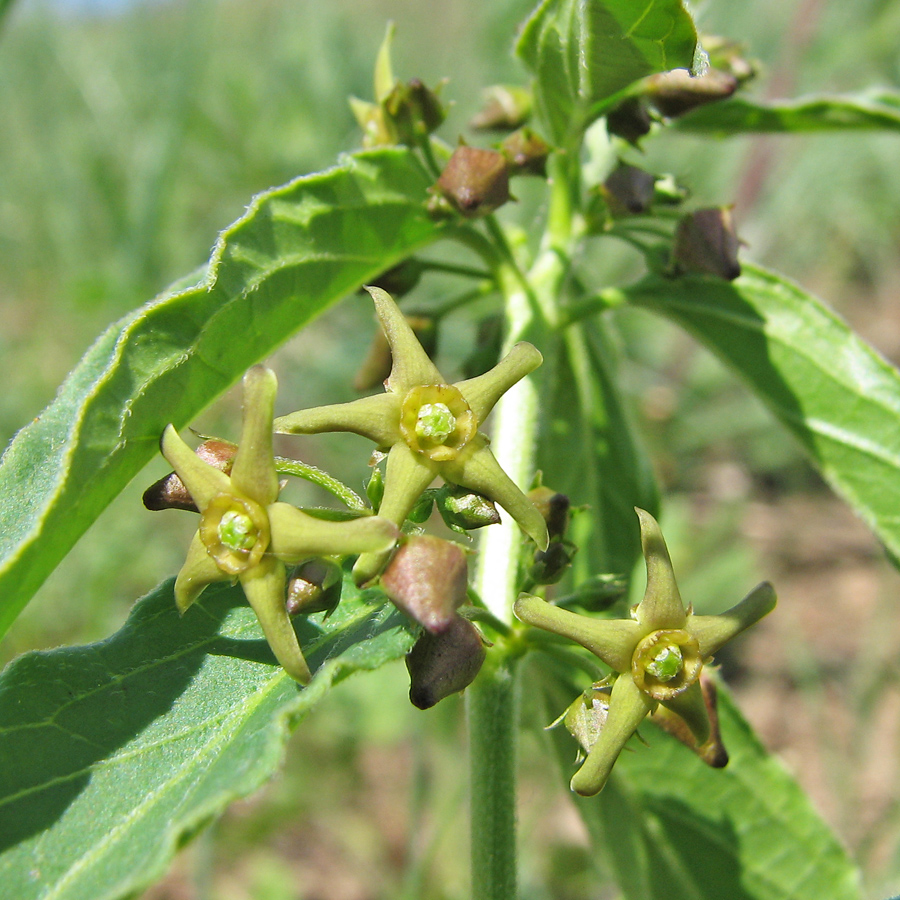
(435, 423)
(235, 532)
(666, 663)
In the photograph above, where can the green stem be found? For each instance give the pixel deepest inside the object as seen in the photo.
(350, 499)
(491, 707)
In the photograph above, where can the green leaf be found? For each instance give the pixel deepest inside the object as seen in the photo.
(113, 754)
(838, 397)
(673, 828)
(852, 112)
(586, 420)
(584, 52)
(298, 249)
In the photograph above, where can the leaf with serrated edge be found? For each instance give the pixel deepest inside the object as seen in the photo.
(297, 250)
(868, 111)
(585, 52)
(671, 826)
(832, 390)
(112, 753)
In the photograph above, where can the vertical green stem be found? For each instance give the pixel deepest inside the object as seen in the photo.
(531, 309)
(491, 705)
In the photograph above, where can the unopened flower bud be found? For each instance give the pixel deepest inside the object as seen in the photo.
(526, 153)
(706, 243)
(427, 579)
(445, 663)
(550, 565)
(375, 488)
(412, 111)
(170, 492)
(712, 751)
(677, 92)
(630, 120)
(505, 107)
(314, 586)
(628, 190)
(464, 510)
(421, 511)
(474, 182)
(554, 507)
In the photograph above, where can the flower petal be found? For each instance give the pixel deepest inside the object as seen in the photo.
(479, 471)
(662, 606)
(691, 706)
(406, 476)
(253, 472)
(411, 365)
(264, 587)
(198, 571)
(712, 632)
(627, 708)
(295, 535)
(202, 480)
(482, 392)
(611, 640)
(376, 417)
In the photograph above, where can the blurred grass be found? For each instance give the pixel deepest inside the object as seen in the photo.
(129, 138)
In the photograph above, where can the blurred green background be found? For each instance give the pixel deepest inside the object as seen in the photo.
(130, 134)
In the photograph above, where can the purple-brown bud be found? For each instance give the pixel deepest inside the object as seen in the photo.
(314, 586)
(677, 92)
(630, 120)
(445, 663)
(628, 190)
(427, 579)
(706, 243)
(170, 493)
(526, 153)
(474, 182)
(554, 507)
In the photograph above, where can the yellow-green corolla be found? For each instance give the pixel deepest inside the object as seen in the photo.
(658, 653)
(246, 534)
(429, 428)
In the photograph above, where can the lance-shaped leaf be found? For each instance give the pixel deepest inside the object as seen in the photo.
(866, 111)
(826, 385)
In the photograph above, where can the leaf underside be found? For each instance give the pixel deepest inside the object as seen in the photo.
(113, 754)
(297, 250)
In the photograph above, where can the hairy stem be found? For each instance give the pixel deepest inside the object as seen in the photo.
(491, 706)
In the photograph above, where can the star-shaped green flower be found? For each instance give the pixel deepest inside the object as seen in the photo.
(245, 534)
(658, 653)
(429, 427)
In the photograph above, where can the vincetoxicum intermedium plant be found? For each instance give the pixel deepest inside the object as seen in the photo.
(112, 754)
